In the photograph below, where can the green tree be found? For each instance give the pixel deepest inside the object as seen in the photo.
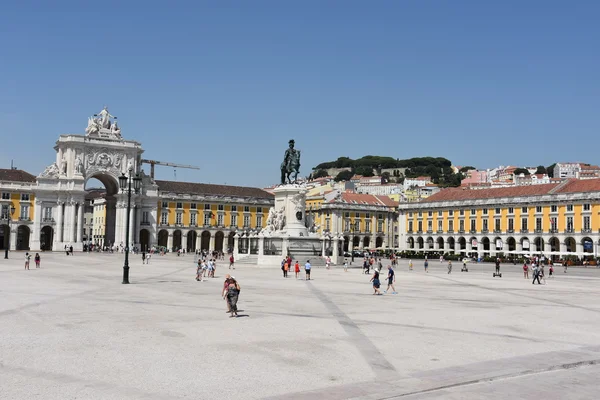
(466, 169)
(550, 170)
(344, 176)
(320, 173)
(364, 171)
(385, 176)
(540, 169)
(520, 171)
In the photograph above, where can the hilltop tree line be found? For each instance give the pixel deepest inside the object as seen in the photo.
(438, 168)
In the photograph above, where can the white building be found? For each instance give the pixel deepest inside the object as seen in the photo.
(381, 190)
(420, 181)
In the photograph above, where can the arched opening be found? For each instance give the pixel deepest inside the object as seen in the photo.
(539, 244)
(346, 243)
(440, 243)
(356, 242)
(411, 242)
(511, 244)
(4, 236)
(144, 239)
(430, 243)
(588, 245)
(163, 238)
(378, 242)
(554, 244)
(498, 244)
(177, 240)
(571, 245)
(366, 242)
(46, 238)
(23, 237)
(451, 244)
(205, 240)
(485, 245)
(230, 242)
(104, 207)
(462, 243)
(525, 244)
(420, 243)
(191, 241)
(474, 243)
(219, 238)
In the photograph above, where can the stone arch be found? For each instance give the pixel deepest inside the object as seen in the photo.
(588, 245)
(430, 243)
(411, 242)
(46, 238)
(366, 242)
(219, 239)
(346, 243)
(111, 184)
(451, 243)
(511, 243)
(473, 238)
(378, 242)
(485, 244)
(570, 244)
(230, 241)
(356, 242)
(524, 242)
(205, 240)
(440, 243)
(191, 241)
(539, 244)
(498, 244)
(554, 244)
(420, 243)
(163, 238)
(23, 234)
(144, 239)
(462, 243)
(177, 240)
(4, 236)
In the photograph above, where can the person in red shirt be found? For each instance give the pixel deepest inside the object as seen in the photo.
(297, 269)
(231, 262)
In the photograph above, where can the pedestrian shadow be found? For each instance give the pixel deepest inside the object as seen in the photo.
(242, 315)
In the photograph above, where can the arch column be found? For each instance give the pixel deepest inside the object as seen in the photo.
(211, 242)
(170, 242)
(579, 247)
(12, 227)
(80, 208)
(34, 241)
(563, 245)
(198, 242)
(184, 242)
(59, 223)
(131, 225)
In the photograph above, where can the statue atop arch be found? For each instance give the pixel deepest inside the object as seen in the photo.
(104, 125)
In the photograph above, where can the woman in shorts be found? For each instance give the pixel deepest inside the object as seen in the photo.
(376, 283)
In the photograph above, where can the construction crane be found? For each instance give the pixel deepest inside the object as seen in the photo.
(166, 164)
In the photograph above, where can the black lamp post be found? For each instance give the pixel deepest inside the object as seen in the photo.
(10, 212)
(125, 184)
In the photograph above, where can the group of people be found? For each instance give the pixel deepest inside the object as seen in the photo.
(286, 265)
(391, 278)
(538, 272)
(37, 260)
(205, 268)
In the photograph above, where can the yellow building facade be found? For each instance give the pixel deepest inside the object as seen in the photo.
(555, 219)
(17, 204)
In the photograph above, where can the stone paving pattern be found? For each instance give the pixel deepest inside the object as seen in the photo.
(71, 330)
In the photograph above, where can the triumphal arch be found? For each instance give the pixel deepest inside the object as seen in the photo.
(101, 153)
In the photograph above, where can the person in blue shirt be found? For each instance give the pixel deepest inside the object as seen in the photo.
(307, 269)
(391, 279)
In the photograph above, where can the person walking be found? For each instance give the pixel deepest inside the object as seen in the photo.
(143, 257)
(225, 289)
(551, 270)
(307, 268)
(71, 249)
(199, 270)
(536, 275)
(286, 268)
(525, 271)
(27, 258)
(232, 296)
(541, 273)
(328, 262)
(37, 260)
(391, 280)
(410, 265)
(148, 258)
(426, 265)
(345, 265)
(376, 283)
(231, 262)
(449, 266)
(297, 269)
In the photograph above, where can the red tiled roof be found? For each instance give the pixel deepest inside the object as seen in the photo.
(16, 175)
(366, 199)
(212, 190)
(457, 194)
(580, 186)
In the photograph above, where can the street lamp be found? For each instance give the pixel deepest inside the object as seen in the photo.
(9, 218)
(125, 183)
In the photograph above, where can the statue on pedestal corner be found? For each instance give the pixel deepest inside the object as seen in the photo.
(290, 164)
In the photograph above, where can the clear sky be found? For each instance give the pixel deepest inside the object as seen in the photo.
(225, 84)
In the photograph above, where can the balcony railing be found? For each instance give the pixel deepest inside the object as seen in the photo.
(430, 231)
(410, 232)
(538, 231)
(553, 230)
(450, 230)
(569, 230)
(473, 231)
(497, 230)
(440, 231)
(524, 230)
(145, 223)
(24, 219)
(588, 230)
(484, 231)
(48, 220)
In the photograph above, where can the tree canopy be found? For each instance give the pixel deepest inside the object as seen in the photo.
(520, 171)
(379, 162)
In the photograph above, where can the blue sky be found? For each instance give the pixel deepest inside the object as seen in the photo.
(225, 84)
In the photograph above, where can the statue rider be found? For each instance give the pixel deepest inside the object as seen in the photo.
(291, 163)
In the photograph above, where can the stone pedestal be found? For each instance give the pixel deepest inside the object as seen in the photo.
(291, 201)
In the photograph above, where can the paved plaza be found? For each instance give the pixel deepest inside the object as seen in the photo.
(71, 330)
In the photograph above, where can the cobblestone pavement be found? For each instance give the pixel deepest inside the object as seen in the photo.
(71, 330)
